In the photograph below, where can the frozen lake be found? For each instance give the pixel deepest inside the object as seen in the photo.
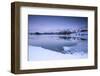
(57, 47)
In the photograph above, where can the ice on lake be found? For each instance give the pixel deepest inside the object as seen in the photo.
(57, 47)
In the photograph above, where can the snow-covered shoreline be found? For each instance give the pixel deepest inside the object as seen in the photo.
(39, 54)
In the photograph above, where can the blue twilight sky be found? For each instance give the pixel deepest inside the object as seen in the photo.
(43, 23)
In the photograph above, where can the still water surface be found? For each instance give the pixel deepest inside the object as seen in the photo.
(64, 44)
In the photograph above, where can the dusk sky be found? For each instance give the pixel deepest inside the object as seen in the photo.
(41, 23)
